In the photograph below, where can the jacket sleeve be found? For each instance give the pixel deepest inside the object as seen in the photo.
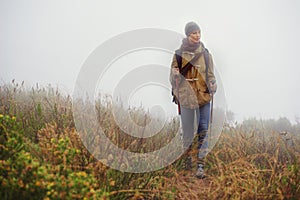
(173, 65)
(211, 74)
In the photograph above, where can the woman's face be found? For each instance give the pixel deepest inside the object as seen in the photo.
(194, 37)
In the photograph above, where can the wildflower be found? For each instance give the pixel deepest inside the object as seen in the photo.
(27, 156)
(83, 174)
(21, 184)
(46, 198)
(86, 183)
(50, 185)
(112, 183)
(1, 116)
(38, 183)
(4, 183)
(61, 140)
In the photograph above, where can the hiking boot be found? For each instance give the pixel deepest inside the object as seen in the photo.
(200, 172)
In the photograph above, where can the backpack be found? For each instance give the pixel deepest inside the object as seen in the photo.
(187, 67)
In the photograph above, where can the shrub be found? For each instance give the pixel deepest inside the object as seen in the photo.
(24, 176)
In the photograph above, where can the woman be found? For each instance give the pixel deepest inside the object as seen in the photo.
(193, 80)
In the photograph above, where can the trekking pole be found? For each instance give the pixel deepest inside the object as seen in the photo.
(211, 108)
(177, 88)
(211, 112)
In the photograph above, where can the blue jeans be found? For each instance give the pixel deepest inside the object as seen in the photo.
(187, 118)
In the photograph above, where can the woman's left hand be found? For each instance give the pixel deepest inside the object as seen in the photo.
(213, 87)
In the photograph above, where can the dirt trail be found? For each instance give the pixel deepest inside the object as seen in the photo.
(190, 187)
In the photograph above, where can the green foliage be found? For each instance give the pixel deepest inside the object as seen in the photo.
(23, 175)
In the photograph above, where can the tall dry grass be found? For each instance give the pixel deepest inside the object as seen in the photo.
(246, 163)
(258, 164)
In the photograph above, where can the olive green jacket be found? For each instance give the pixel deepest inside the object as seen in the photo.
(193, 91)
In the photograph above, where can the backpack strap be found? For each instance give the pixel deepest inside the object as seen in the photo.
(206, 60)
(178, 54)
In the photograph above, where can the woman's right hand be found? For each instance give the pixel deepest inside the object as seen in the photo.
(175, 71)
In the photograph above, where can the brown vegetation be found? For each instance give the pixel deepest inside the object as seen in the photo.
(42, 156)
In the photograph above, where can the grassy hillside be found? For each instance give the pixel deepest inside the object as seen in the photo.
(42, 156)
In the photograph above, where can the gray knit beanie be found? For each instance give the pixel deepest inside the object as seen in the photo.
(190, 27)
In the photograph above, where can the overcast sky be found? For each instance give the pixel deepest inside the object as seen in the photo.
(254, 43)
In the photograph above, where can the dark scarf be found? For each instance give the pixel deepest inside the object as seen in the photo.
(187, 46)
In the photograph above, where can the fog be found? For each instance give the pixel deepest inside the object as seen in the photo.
(254, 44)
